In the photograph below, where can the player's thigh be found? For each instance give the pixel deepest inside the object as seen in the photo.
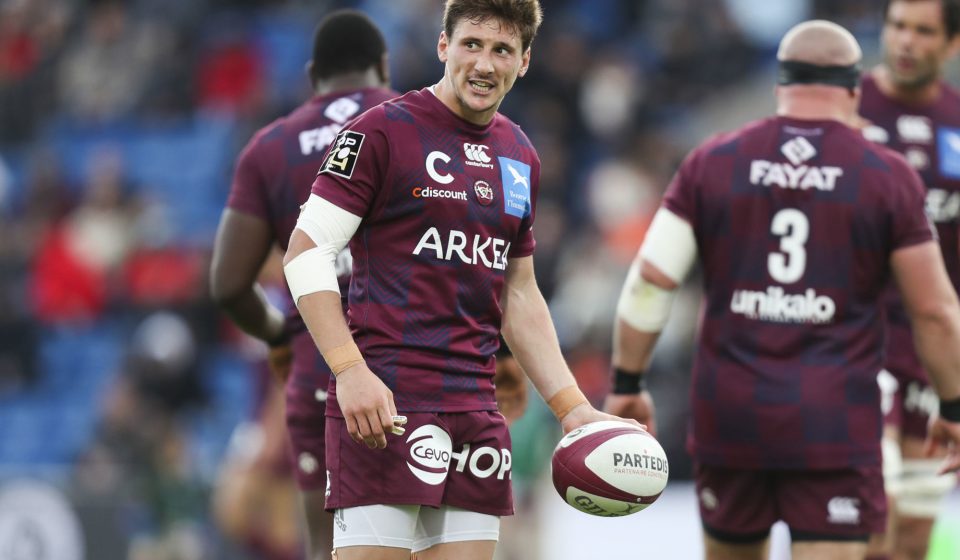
(715, 549)
(828, 550)
(370, 553)
(235, 498)
(913, 537)
(318, 525)
(390, 530)
(467, 550)
(843, 506)
(472, 533)
(306, 430)
(737, 507)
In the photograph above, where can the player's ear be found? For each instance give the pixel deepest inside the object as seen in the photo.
(524, 62)
(308, 68)
(954, 47)
(383, 69)
(442, 44)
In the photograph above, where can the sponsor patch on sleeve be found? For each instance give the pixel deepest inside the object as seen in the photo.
(342, 157)
(948, 142)
(515, 176)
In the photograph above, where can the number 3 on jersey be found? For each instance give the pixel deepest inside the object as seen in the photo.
(793, 228)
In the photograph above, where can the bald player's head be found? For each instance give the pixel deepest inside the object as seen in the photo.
(820, 42)
(821, 53)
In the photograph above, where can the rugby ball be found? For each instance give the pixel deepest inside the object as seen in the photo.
(609, 469)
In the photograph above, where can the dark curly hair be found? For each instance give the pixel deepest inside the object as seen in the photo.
(523, 15)
(950, 12)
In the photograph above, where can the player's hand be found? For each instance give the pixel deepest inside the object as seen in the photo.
(367, 406)
(946, 434)
(511, 388)
(585, 413)
(280, 360)
(639, 407)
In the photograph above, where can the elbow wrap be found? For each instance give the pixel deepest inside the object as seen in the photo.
(642, 305)
(330, 228)
(311, 271)
(671, 247)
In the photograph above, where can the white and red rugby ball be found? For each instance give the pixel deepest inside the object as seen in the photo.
(609, 469)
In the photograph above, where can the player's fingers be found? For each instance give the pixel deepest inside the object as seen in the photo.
(378, 438)
(929, 446)
(951, 463)
(391, 405)
(367, 431)
(651, 428)
(634, 422)
(391, 423)
(353, 428)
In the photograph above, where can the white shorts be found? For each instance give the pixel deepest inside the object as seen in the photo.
(413, 527)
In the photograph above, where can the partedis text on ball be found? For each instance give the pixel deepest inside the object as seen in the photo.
(644, 465)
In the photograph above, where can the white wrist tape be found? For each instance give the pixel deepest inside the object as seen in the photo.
(330, 228)
(642, 305)
(670, 245)
(922, 490)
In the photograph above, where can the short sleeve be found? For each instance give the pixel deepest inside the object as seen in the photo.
(680, 196)
(355, 167)
(911, 225)
(248, 191)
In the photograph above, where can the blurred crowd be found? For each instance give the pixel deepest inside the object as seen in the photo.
(119, 123)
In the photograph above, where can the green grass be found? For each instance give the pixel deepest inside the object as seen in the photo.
(945, 541)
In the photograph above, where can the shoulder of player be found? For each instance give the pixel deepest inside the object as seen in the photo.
(380, 95)
(278, 127)
(950, 100)
(718, 143)
(890, 161)
(504, 125)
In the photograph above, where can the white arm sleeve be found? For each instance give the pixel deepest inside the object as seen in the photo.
(670, 246)
(330, 227)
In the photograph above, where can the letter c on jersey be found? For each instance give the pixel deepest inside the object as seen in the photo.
(430, 454)
(432, 158)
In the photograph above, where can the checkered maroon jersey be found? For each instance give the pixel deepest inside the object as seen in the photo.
(795, 222)
(929, 137)
(272, 179)
(445, 204)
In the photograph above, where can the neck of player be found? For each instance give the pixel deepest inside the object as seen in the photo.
(917, 95)
(816, 103)
(369, 78)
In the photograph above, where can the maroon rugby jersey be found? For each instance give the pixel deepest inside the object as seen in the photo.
(929, 138)
(273, 177)
(445, 204)
(795, 222)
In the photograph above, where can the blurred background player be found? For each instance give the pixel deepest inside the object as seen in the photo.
(910, 108)
(273, 175)
(795, 219)
(436, 193)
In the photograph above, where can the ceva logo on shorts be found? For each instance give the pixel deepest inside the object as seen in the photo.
(430, 453)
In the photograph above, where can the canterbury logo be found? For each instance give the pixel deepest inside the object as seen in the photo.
(477, 155)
